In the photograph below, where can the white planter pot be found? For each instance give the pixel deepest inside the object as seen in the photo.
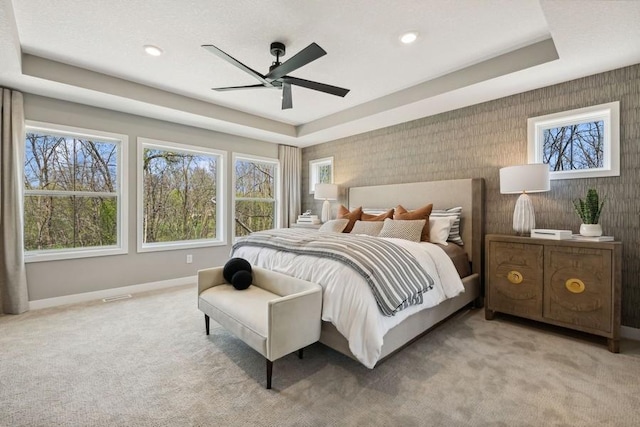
(591, 230)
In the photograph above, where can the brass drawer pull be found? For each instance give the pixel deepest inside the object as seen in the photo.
(575, 286)
(515, 277)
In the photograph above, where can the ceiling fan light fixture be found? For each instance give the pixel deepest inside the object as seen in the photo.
(152, 50)
(409, 37)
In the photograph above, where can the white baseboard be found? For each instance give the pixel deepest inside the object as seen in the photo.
(106, 293)
(630, 333)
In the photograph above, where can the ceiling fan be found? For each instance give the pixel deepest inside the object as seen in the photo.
(277, 76)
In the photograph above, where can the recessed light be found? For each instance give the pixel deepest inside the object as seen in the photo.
(152, 50)
(408, 38)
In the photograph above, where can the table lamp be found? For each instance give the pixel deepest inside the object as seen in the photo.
(326, 192)
(523, 179)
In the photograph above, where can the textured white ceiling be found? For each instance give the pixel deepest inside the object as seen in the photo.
(360, 37)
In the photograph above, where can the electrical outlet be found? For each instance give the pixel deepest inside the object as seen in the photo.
(189, 259)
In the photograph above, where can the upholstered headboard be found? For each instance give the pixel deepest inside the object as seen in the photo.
(468, 193)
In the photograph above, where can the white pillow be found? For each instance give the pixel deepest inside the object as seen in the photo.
(454, 233)
(370, 228)
(439, 229)
(403, 229)
(334, 225)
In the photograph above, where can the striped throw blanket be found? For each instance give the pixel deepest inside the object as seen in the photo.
(396, 278)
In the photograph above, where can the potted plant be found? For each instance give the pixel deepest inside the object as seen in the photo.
(589, 211)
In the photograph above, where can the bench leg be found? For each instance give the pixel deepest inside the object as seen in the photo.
(206, 323)
(269, 371)
(300, 353)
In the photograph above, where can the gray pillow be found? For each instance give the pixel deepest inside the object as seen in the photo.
(370, 228)
(334, 225)
(408, 229)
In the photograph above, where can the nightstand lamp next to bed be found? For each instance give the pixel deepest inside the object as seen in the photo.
(326, 192)
(523, 179)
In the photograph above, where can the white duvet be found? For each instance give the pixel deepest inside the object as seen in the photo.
(348, 302)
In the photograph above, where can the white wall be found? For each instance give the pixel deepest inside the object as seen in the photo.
(51, 279)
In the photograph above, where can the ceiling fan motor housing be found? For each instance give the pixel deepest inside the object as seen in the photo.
(277, 49)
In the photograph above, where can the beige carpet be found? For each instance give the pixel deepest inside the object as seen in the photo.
(147, 362)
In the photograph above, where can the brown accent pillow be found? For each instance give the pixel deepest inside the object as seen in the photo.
(381, 217)
(421, 213)
(353, 216)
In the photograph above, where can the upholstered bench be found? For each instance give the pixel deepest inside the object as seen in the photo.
(276, 315)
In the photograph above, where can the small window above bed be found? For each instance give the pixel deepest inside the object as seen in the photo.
(320, 172)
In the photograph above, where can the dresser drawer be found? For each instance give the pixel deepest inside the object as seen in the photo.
(516, 275)
(578, 287)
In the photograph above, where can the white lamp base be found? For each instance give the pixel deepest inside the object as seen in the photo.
(326, 211)
(524, 218)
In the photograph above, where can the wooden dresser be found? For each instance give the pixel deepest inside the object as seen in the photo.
(561, 282)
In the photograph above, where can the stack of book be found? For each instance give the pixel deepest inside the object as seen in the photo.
(308, 219)
(582, 238)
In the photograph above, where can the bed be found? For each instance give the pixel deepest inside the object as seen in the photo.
(403, 327)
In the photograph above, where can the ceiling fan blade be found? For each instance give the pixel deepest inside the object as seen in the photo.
(287, 102)
(231, 60)
(224, 89)
(333, 90)
(306, 55)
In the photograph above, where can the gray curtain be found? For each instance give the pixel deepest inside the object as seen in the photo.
(13, 279)
(290, 184)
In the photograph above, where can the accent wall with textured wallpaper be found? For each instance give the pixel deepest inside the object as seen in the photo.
(477, 141)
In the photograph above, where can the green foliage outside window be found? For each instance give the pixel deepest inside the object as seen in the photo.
(70, 192)
(324, 174)
(179, 196)
(255, 188)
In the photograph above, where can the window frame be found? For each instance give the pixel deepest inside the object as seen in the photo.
(220, 240)
(277, 200)
(122, 197)
(313, 172)
(609, 113)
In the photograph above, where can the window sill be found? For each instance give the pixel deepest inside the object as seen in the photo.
(55, 255)
(172, 246)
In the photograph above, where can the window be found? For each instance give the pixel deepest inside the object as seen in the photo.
(74, 192)
(180, 196)
(320, 172)
(256, 183)
(581, 143)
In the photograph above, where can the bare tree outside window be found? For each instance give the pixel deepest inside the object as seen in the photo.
(70, 192)
(255, 195)
(179, 195)
(580, 143)
(578, 146)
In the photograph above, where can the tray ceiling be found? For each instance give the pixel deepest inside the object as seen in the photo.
(91, 52)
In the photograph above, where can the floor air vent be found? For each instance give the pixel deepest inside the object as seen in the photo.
(116, 298)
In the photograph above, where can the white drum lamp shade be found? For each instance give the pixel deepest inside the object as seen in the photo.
(523, 179)
(326, 192)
